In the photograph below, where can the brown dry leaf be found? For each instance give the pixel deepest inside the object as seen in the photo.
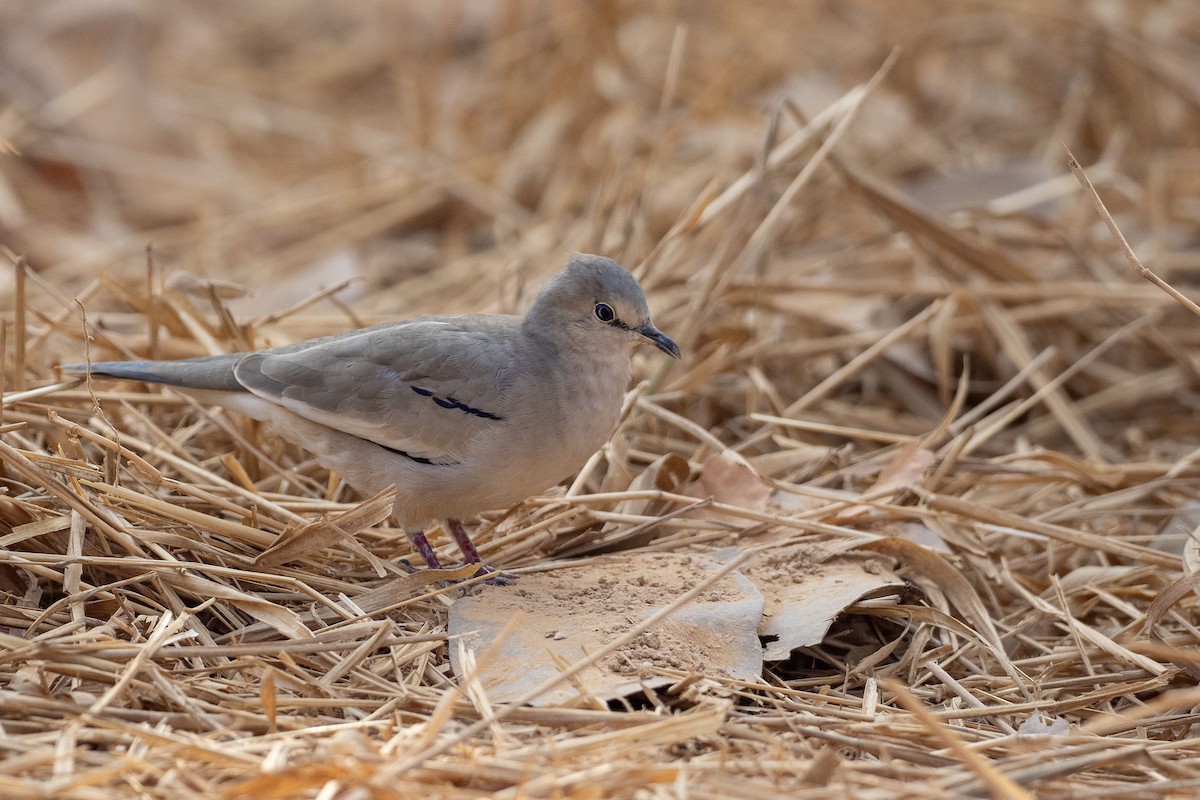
(806, 588)
(909, 465)
(296, 543)
(666, 474)
(571, 612)
(729, 479)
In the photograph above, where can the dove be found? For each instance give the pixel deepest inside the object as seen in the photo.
(463, 413)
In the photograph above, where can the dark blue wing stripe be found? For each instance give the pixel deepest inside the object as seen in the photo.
(450, 402)
(418, 459)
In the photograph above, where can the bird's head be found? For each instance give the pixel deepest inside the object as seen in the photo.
(596, 300)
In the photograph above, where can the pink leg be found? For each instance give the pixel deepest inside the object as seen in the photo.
(471, 554)
(421, 546)
(463, 541)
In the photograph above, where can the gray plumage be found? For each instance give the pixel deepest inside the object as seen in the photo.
(462, 413)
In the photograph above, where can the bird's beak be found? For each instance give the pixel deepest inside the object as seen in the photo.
(659, 339)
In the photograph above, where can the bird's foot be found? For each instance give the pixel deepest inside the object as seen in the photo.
(498, 578)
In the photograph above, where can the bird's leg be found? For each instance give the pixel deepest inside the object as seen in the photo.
(471, 554)
(421, 545)
(464, 541)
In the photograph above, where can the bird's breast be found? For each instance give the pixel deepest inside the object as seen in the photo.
(552, 431)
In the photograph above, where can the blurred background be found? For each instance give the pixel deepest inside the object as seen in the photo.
(447, 157)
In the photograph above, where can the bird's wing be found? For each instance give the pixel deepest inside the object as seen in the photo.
(425, 388)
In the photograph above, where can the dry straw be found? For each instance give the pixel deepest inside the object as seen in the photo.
(870, 270)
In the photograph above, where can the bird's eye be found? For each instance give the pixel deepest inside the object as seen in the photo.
(604, 312)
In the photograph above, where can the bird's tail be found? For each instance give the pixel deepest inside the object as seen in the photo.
(208, 372)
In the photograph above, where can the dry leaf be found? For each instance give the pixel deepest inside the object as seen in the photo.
(666, 474)
(570, 612)
(906, 468)
(729, 479)
(807, 588)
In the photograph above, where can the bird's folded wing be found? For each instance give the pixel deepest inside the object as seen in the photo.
(425, 388)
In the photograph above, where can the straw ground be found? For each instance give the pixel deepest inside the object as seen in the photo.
(857, 219)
